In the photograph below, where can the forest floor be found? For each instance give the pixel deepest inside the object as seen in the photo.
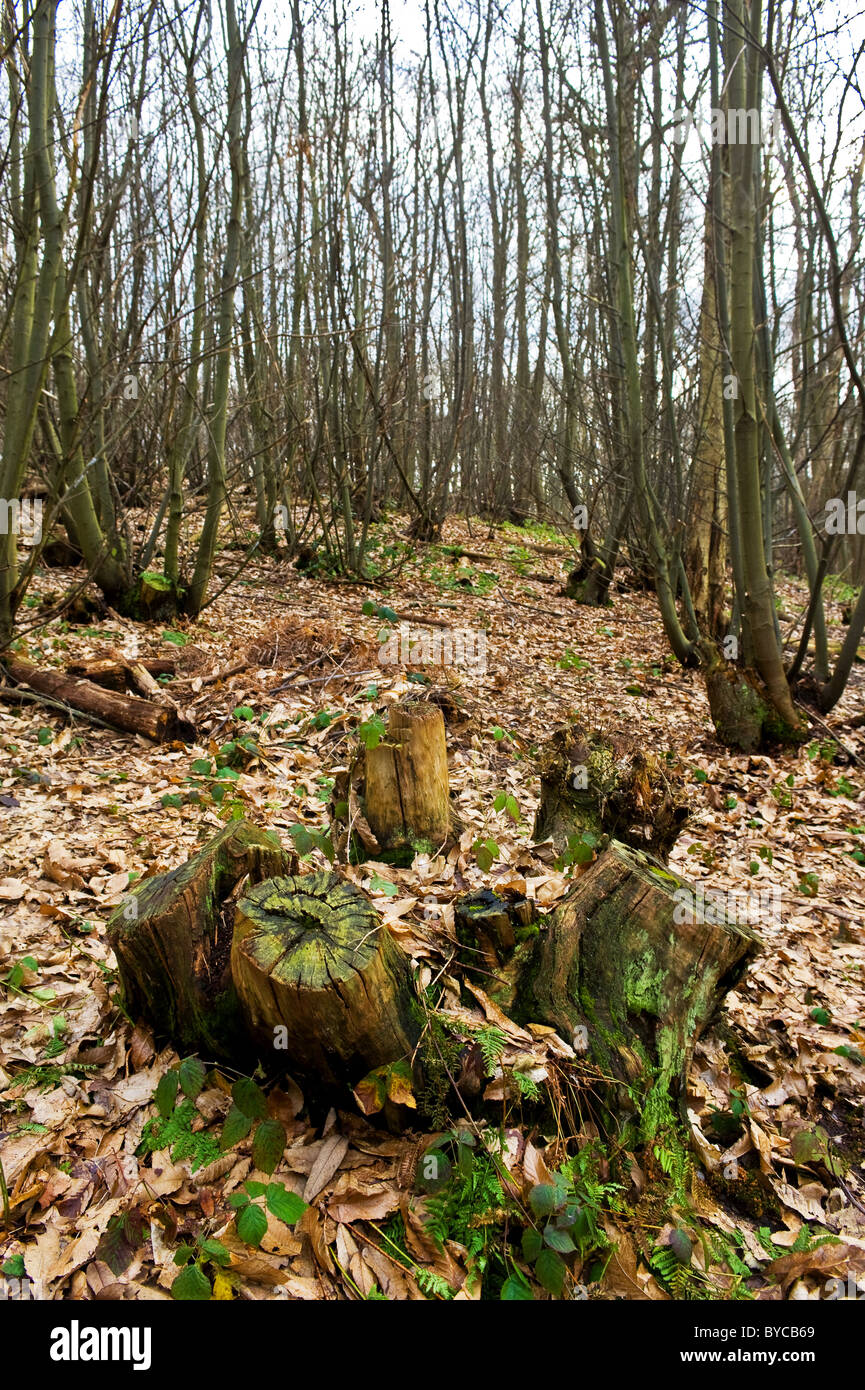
(100, 1197)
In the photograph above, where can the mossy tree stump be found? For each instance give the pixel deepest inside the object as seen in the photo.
(406, 786)
(320, 978)
(635, 974)
(742, 712)
(172, 941)
(603, 785)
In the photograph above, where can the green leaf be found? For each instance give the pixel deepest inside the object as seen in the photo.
(239, 1199)
(822, 1016)
(512, 808)
(13, 1268)
(178, 639)
(498, 734)
(550, 1270)
(252, 1224)
(216, 1252)
(499, 802)
(268, 1145)
(383, 885)
(284, 1205)
(191, 1285)
(302, 839)
(249, 1098)
(44, 736)
(681, 1246)
(243, 712)
(558, 1240)
(544, 1198)
(191, 1073)
(255, 1189)
(166, 1093)
(388, 614)
(368, 609)
(515, 1288)
(533, 1243)
(371, 731)
(183, 1254)
(237, 1126)
(201, 767)
(171, 799)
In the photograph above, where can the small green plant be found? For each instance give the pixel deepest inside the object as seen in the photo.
(580, 849)
(505, 801)
(568, 1211)
(172, 1128)
(251, 1210)
(307, 839)
(371, 731)
(572, 661)
(20, 975)
(485, 851)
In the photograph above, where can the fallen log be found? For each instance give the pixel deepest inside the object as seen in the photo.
(112, 674)
(121, 711)
(633, 971)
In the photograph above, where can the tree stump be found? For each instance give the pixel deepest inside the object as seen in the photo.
(173, 943)
(635, 975)
(407, 792)
(604, 785)
(320, 977)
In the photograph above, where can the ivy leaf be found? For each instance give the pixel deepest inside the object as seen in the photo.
(284, 1205)
(268, 1145)
(191, 1285)
(252, 1224)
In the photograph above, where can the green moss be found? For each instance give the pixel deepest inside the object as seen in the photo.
(643, 986)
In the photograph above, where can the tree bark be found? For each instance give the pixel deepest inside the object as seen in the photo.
(407, 790)
(635, 977)
(172, 942)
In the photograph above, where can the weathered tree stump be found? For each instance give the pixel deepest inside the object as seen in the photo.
(173, 944)
(321, 979)
(600, 784)
(635, 975)
(406, 791)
